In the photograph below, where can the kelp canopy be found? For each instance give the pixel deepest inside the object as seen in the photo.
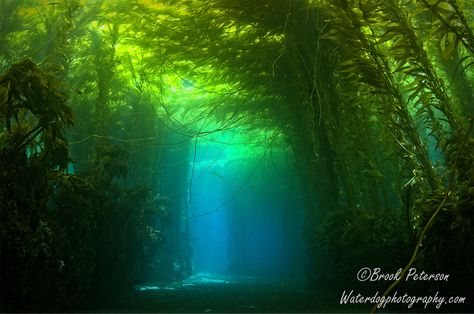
(374, 99)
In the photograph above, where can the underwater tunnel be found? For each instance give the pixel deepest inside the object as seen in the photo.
(246, 211)
(236, 156)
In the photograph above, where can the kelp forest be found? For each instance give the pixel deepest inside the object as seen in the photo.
(237, 156)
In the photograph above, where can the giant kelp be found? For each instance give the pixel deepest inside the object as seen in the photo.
(60, 230)
(372, 97)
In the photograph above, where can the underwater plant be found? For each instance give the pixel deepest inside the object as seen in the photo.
(24, 91)
(104, 106)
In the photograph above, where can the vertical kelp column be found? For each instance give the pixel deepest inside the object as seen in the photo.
(371, 102)
(99, 225)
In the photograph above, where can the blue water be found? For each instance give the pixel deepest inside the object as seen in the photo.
(246, 215)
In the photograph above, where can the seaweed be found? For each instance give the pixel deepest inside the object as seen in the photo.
(371, 99)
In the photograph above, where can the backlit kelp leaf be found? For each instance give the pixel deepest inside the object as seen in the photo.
(415, 93)
(444, 7)
(388, 35)
(448, 43)
(426, 97)
(467, 66)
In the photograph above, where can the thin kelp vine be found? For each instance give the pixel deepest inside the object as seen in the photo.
(104, 103)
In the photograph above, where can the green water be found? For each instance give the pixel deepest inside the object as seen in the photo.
(236, 156)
